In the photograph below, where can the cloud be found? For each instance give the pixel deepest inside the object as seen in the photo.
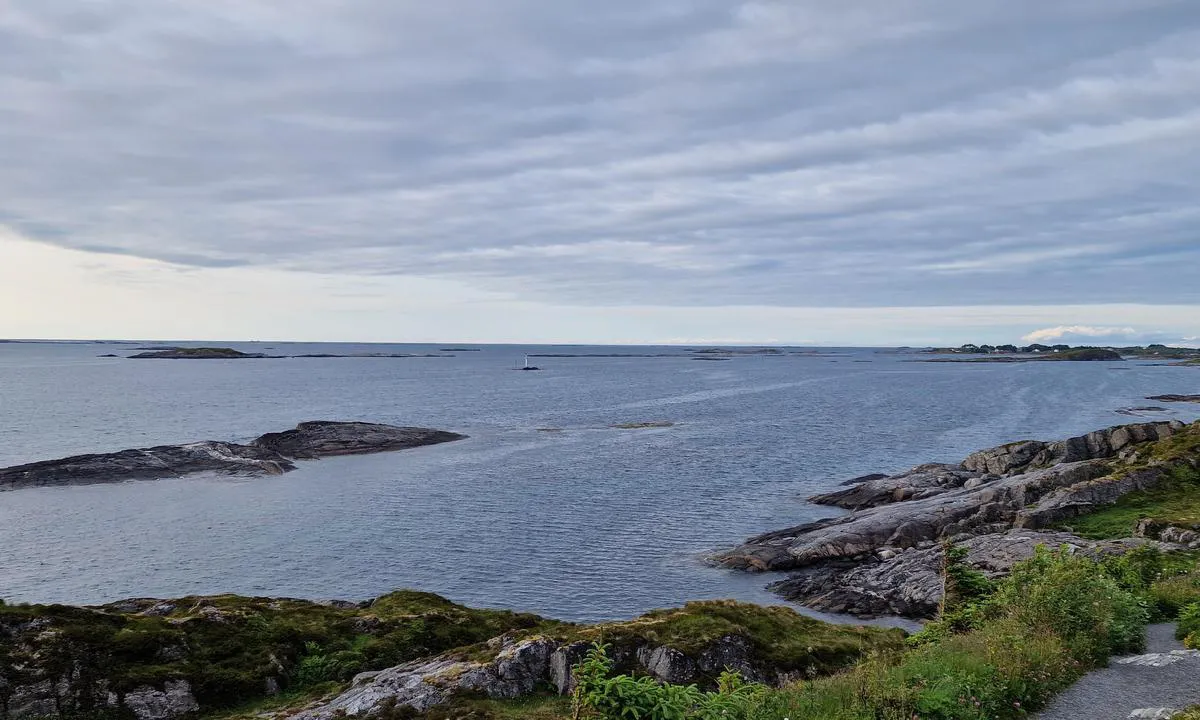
(1062, 331)
(768, 153)
(1073, 334)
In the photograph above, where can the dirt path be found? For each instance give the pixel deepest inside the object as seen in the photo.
(1166, 676)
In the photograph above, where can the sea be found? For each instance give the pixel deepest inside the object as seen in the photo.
(549, 507)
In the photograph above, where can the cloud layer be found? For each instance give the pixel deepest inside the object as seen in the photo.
(670, 152)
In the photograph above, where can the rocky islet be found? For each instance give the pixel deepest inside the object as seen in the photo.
(270, 454)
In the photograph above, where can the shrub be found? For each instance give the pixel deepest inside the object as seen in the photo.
(1093, 615)
(1053, 618)
(599, 694)
(1172, 594)
(1188, 629)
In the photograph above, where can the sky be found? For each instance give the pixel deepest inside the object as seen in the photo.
(883, 172)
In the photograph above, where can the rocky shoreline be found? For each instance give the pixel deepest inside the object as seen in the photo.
(270, 454)
(884, 557)
(169, 659)
(411, 652)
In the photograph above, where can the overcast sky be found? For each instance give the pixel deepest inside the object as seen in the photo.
(803, 171)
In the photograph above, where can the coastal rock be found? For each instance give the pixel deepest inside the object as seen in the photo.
(921, 482)
(146, 463)
(173, 701)
(1083, 497)
(423, 684)
(1020, 457)
(319, 439)
(986, 466)
(884, 559)
(909, 583)
(271, 454)
(991, 508)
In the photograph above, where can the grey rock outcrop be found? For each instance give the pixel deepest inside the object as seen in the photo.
(516, 670)
(173, 701)
(921, 482)
(991, 508)
(270, 454)
(908, 582)
(147, 463)
(1189, 536)
(423, 684)
(987, 466)
(1021, 457)
(318, 439)
(51, 699)
(882, 558)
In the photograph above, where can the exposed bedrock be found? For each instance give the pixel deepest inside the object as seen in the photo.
(908, 581)
(986, 466)
(883, 557)
(271, 454)
(318, 439)
(147, 463)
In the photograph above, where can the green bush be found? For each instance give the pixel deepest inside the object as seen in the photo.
(1172, 594)
(1089, 610)
(1037, 631)
(601, 695)
(1188, 629)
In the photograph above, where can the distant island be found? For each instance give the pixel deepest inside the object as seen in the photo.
(202, 353)
(1072, 355)
(224, 353)
(1154, 351)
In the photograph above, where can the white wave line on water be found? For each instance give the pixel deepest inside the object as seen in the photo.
(703, 395)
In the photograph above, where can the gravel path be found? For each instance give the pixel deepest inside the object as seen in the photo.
(1129, 684)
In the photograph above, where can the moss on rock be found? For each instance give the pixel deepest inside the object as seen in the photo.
(230, 649)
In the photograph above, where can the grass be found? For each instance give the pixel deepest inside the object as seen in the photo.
(1057, 616)
(1177, 505)
(781, 638)
(1176, 501)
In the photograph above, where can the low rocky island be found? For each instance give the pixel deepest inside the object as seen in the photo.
(1176, 398)
(270, 454)
(224, 353)
(999, 504)
(200, 353)
(1149, 352)
(1073, 355)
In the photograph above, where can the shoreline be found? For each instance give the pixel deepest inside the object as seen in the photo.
(883, 556)
(899, 523)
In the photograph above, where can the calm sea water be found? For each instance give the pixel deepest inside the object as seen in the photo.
(546, 508)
